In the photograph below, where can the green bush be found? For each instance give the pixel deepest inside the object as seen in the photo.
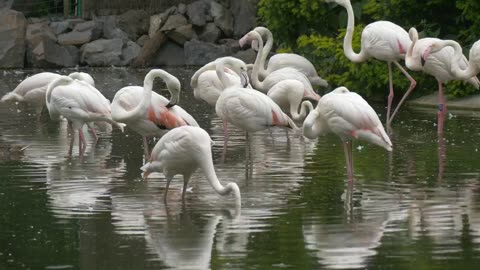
(312, 28)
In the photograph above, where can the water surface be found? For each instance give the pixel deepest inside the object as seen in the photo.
(415, 208)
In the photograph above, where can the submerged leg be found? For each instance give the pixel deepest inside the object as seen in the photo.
(186, 178)
(225, 133)
(390, 95)
(442, 108)
(169, 179)
(94, 133)
(82, 144)
(413, 83)
(145, 148)
(348, 159)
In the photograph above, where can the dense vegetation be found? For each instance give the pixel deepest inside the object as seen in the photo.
(316, 29)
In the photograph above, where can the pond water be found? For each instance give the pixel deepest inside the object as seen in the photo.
(417, 207)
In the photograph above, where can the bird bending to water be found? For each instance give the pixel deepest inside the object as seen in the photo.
(291, 98)
(79, 103)
(382, 40)
(350, 117)
(438, 64)
(32, 89)
(282, 60)
(149, 113)
(182, 151)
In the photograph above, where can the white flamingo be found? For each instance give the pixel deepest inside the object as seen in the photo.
(246, 108)
(382, 40)
(79, 103)
(291, 98)
(182, 151)
(282, 60)
(32, 89)
(438, 64)
(207, 86)
(147, 112)
(275, 76)
(350, 117)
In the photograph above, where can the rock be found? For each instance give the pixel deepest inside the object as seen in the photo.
(130, 51)
(173, 22)
(170, 54)
(141, 40)
(158, 20)
(244, 16)
(182, 34)
(75, 38)
(110, 28)
(102, 52)
(222, 17)
(233, 43)
(95, 27)
(73, 22)
(197, 12)
(38, 32)
(134, 22)
(59, 27)
(149, 49)
(198, 53)
(48, 54)
(210, 33)
(182, 8)
(12, 39)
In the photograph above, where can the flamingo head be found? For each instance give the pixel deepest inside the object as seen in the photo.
(426, 54)
(253, 38)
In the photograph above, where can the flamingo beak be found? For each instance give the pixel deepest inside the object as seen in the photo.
(244, 79)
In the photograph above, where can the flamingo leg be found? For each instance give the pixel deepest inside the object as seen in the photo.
(413, 83)
(442, 108)
(390, 95)
(145, 148)
(72, 137)
(186, 178)
(169, 179)
(348, 159)
(94, 133)
(82, 144)
(225, 133)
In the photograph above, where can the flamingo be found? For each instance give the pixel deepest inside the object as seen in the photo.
(207, 86)
(246, 108)
(291, 97)
(147, 112)
(32, 89)
(276, 75)
(79, 103)
(438, 64)
(382, 40)
(182, 151)
(350, 117)
(281, 60)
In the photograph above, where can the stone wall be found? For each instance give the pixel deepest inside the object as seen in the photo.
(194, 34)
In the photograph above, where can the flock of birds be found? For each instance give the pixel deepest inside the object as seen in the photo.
(250, 97)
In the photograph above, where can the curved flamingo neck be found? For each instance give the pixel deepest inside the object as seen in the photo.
(463, 74)
(264, 32)
(220, 70)
(209, 171)
(258, 61)
(305, 107)
(409, 61)
(196, 75)
(347, 41)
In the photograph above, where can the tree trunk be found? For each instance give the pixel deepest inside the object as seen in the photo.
(149, 49)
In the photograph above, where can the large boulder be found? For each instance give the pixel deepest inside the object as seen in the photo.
(37, 34)
(59, 27)
(49, 54)
(210, 33)
(244, 13)
(135, 23)
(82, 33)
(222, 17)
(198, 53)
(111, 29)
(170, 54)
(158, 20)
(102, 52)
(174, 22)
(197, 12)
(182, 34)
(12, 39)
(130, 51)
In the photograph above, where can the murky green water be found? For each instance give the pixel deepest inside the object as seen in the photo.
(415, 208)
